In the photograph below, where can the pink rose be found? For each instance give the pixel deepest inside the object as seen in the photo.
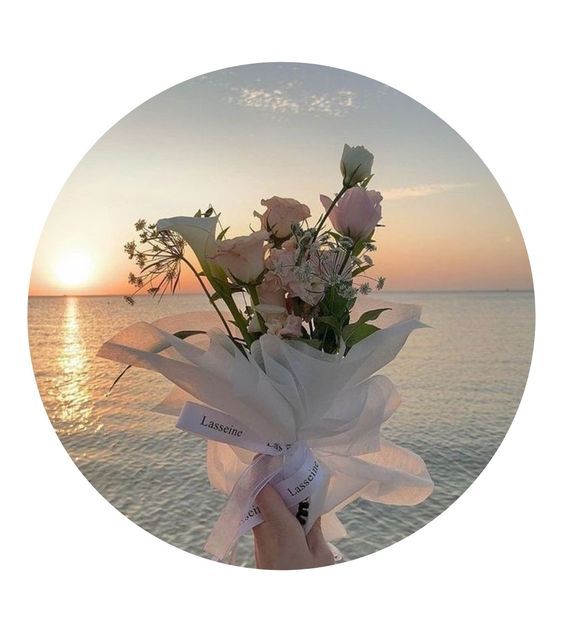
(242, 257)
(292, 327)
(278, 322)
(308, 287)
(274, 317)
(270, 291)
(357, 212)
(290, 244)
(281, 214)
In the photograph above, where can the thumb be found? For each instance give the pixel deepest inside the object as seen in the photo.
(315, 538)
(318, 546)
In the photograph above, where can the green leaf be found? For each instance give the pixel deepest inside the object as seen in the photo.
(187, 333)
(352, 334)
(358, 247)
(371, 314)
(225, 290)
(221, 286)
(331, 321)
(364, 183)
(222, 234)
(360, 270)
(316, 344)
(334, 305)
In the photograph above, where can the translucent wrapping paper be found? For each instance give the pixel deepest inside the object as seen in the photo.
(305, 421)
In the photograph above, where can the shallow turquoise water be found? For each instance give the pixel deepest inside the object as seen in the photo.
(461, 382)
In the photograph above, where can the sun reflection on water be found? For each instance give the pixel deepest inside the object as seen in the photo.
(74, 395)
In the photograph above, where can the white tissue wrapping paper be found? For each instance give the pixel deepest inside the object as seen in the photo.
(328, 407)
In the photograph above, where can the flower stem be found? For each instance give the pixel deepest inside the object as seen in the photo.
(210, 298)
(256, 301)
(347, 257)
(238, 317)
(329, 211)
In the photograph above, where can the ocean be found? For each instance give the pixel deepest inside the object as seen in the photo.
(460, 381)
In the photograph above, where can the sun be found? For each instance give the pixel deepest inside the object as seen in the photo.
(74, 268)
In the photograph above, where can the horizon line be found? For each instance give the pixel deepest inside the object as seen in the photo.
(427, 291)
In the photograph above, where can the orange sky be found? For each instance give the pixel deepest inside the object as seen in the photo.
(236, 136)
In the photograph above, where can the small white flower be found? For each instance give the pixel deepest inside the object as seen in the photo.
(346, 290)
(305, 272)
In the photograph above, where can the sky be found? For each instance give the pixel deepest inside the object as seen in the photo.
(233, 137)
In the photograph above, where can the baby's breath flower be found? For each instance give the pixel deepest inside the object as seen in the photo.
(380, 283)
(370, 246)
(303, 272)
(159, 262)
(334, 266)
(346, 290)
(305, 238)
(364, 288)
(130, 249)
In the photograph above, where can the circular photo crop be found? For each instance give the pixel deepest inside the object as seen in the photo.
(281, 316)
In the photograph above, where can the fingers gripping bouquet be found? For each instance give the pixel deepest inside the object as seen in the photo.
(288, 392)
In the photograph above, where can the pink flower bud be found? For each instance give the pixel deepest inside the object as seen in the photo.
(357, 212)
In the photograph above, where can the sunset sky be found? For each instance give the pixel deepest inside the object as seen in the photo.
(235, 136)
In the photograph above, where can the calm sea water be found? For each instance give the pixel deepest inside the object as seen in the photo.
(461, 383)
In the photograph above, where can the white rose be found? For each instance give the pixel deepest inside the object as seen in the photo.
(355, 165)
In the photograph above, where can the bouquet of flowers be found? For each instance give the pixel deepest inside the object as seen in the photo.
(288, 393)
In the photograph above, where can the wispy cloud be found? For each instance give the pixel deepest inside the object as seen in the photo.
(423, 190)
(287, 100)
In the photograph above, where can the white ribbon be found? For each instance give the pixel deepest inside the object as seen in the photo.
(299, 478)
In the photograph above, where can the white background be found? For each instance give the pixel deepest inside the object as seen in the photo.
(71, 70)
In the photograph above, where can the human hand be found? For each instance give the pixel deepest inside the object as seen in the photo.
(280, 542)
